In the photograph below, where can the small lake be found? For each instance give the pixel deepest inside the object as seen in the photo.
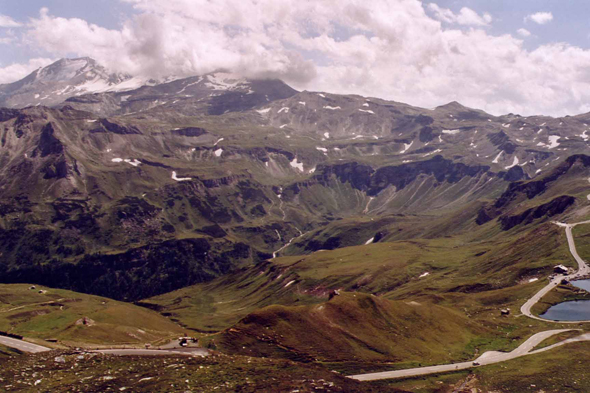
(577, 310)
(583, 284)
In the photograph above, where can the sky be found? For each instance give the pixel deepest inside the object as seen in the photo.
(503, 56)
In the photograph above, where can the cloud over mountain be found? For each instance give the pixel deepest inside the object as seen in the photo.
(404, 50)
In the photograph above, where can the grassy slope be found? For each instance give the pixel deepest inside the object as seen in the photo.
(473, 277)
(354, 327)
(582, 236)
(389, 269)
(53, 315)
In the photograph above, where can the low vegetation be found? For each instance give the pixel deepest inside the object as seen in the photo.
(353, 327)
(67, 371)
(77, 319)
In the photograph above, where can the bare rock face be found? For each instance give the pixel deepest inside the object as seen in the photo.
(48, 143)
(550, 209)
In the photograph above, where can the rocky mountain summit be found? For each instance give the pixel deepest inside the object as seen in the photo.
(63, 79)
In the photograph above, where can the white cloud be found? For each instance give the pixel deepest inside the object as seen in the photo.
(182, 37)
(466, 16)
(7, 21)
(385, 48)
(18, 71)
(523, 32)
(540, 17)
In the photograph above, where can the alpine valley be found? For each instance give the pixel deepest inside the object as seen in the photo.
(304, 236)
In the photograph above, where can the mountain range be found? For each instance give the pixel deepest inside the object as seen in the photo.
(235, 169)
(231, 204)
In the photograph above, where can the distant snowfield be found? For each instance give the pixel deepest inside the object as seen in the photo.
(225, 81)
(134, 162)
(552, 144)
(174, 177)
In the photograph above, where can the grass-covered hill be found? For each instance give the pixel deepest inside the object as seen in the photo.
(353, 327)
(78, 319)
(488, 269)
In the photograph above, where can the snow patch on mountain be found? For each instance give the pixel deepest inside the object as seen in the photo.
(497, 157)
(175, 177)
(296, 164)
(225, 81)
(190, 84)
(514, 163)
(451, 132)
(432, 152)
(552, 142)
(406, 147)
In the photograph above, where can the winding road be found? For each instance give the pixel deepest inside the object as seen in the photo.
(490, 357)
(525, 348)
(583, 271)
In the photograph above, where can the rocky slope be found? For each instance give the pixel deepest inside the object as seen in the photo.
(159, 187)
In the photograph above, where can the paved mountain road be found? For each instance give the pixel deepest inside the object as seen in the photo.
(22, 346)
(490, 357)
(153, 352)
